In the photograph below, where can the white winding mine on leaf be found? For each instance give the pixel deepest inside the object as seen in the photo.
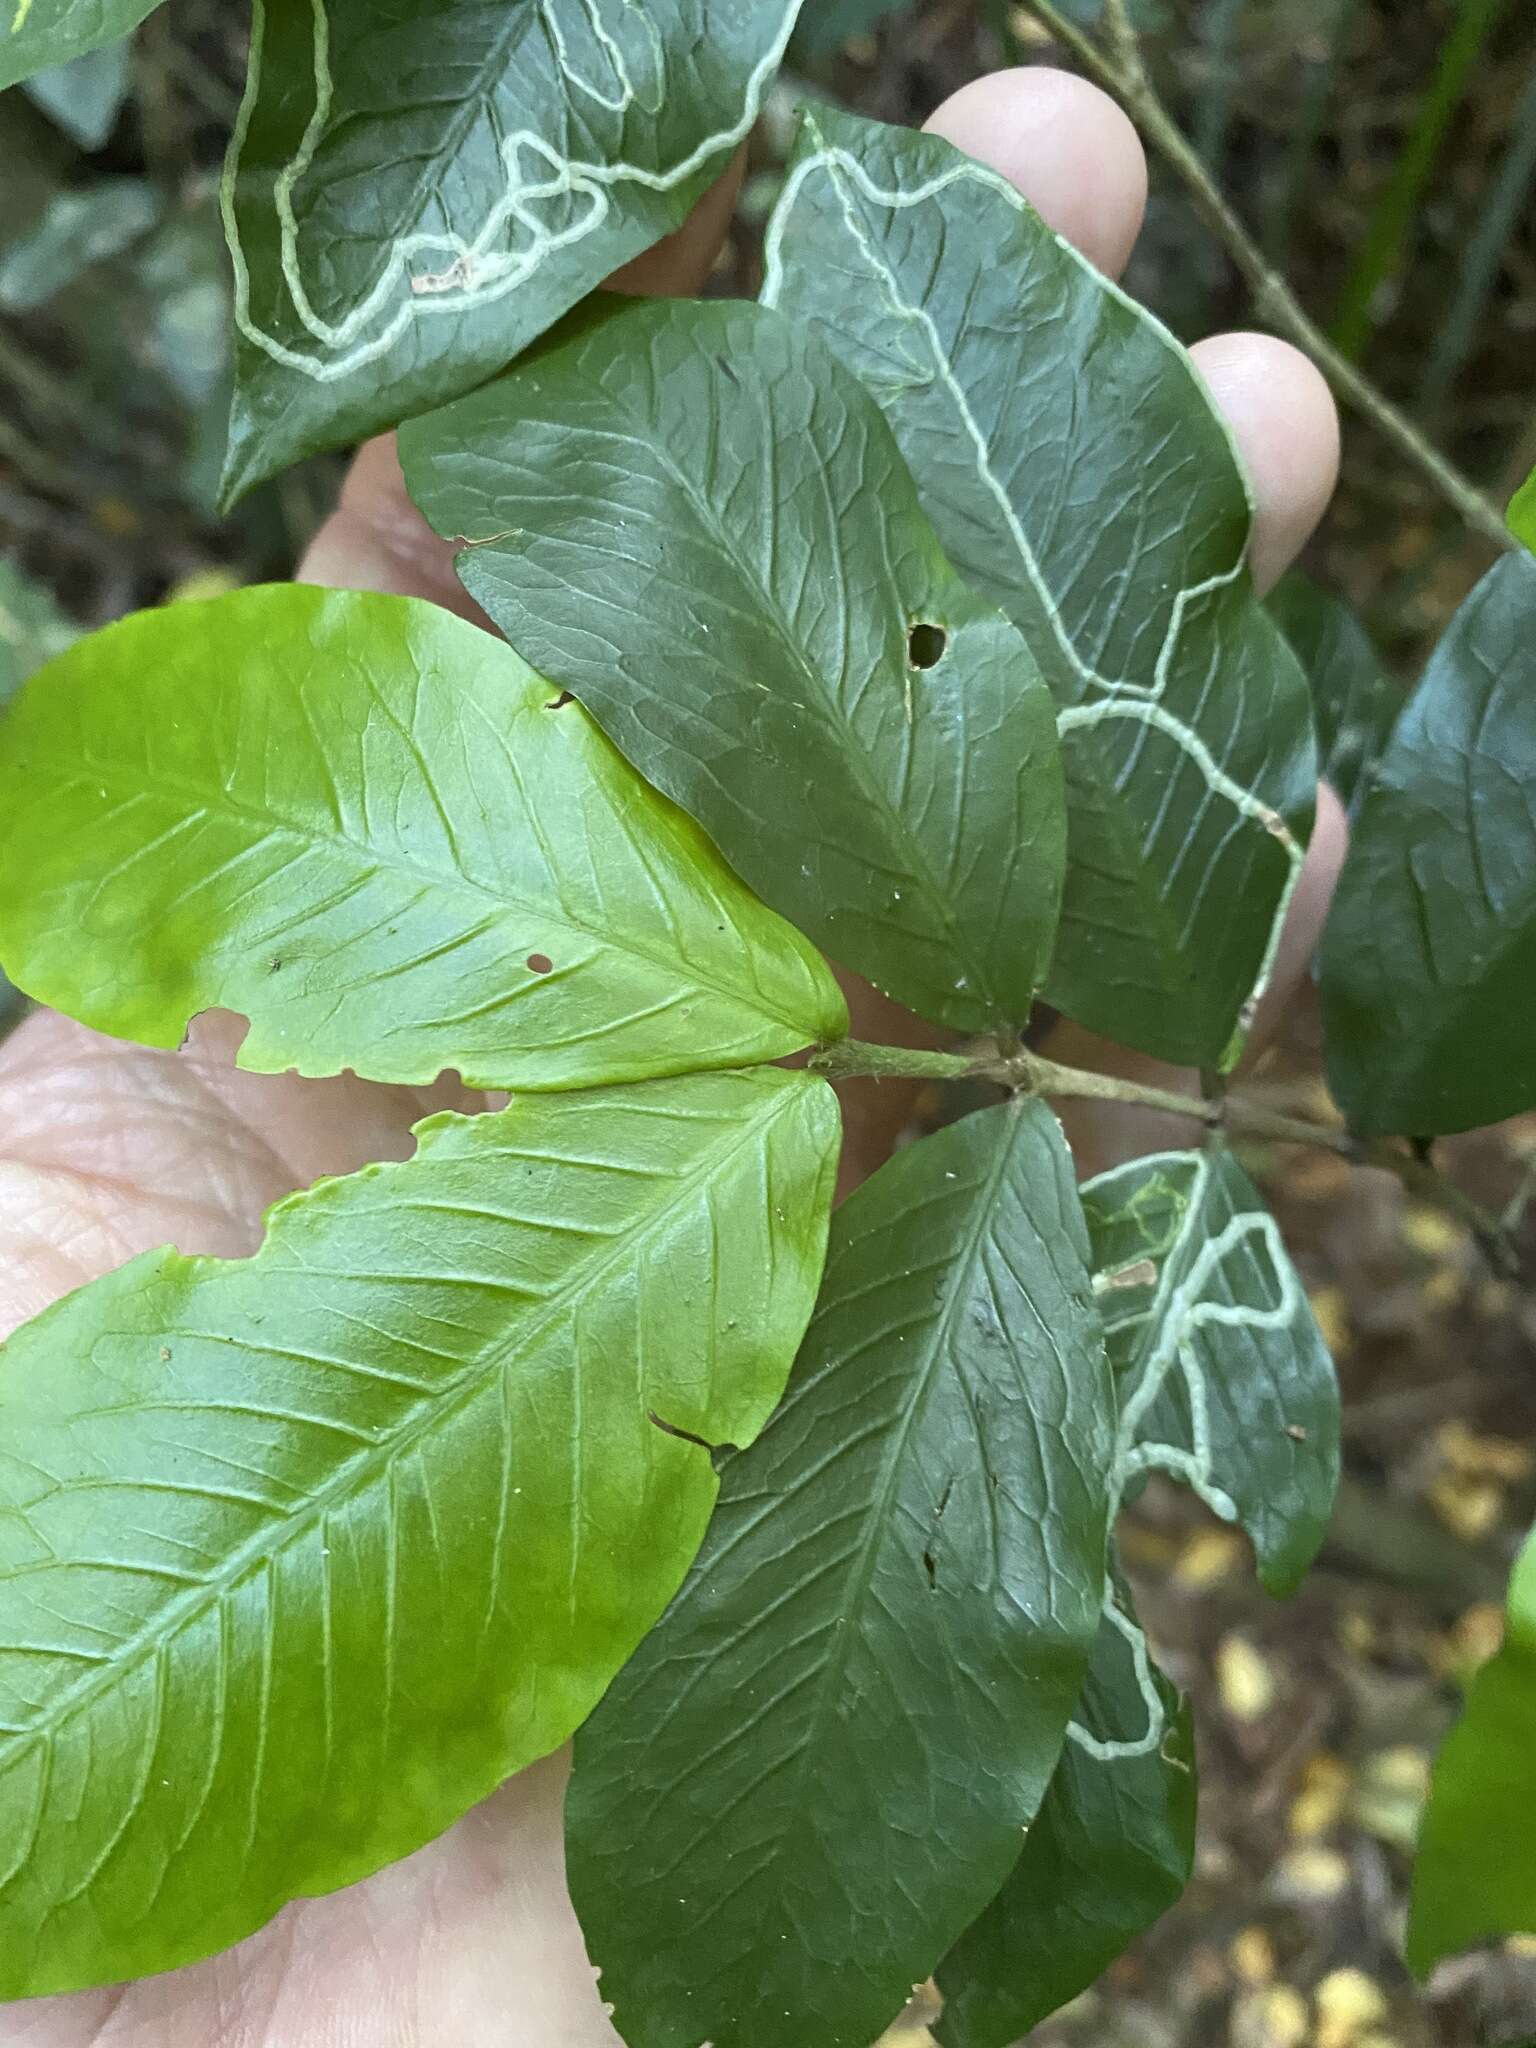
(471, 271)
(1178, 1312)
(1118, 697)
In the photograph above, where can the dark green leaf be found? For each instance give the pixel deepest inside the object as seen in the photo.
(1429, 959)
(1109, 1852)
(1078, 473)
(1225, 1381)
(1522, 513)
(814, 1774)
(1475, 1877)
(370, 828)
(301, 1555)
(35, 34)
(413, 195)
(81, 225)
(693, 518)
(1355, 701)
(85, 96)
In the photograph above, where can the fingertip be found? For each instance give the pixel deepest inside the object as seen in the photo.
(678, 266)
(377, 540)
(1067, 146)
(1306, 916)
(1286, 425)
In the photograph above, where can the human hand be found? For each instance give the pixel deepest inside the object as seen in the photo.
(110, 1149)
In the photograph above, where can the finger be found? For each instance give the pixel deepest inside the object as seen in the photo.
(377, 540)
(1065, 145)
(678, 266)
(1076, 157)
(1286, 426)
(1306, 917)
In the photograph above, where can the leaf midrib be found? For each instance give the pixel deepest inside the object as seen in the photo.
(471, 107)
(121, 779)
(1180, 947)
(813, 1742)
(426, 1416)
(856, 756)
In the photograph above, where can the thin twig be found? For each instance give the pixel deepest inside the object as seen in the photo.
(1124, 73)
(1127, 44)
(1027, 1073)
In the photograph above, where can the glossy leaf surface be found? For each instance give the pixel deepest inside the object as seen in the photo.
(364, 824)
(32, 631)
(692, 517)
(814, 1773)
(1429, 959)
(1109, 1852)
(1355, 699)
(414, 194)
(301, 1555)
(1225, 1382)
(37, 33)
(1077, 472)
(1475, 1877)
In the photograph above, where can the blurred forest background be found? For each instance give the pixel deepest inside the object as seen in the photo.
(1382, 154)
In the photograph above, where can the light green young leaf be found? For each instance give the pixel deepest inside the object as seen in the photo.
(1522, 513)
(1475, 1876)
(85, 96)
(814, 1773)
(35, 34)
(32, 631)
(1109, 1852)
(301, 1555)
(1225, 1381)
(1355, 700)
(1078, 473)
(692, 517)
(370, 828)
(414, 196)
(1429, 958)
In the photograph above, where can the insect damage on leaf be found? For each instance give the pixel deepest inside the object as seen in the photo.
(563, 138)
(1079, 475)
(778, 641)
(871, 1667)
(373, 844)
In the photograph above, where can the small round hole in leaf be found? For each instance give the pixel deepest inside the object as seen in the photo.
(927, 645)
(540, 963)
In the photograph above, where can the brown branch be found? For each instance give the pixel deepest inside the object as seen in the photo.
(1028, 1073)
